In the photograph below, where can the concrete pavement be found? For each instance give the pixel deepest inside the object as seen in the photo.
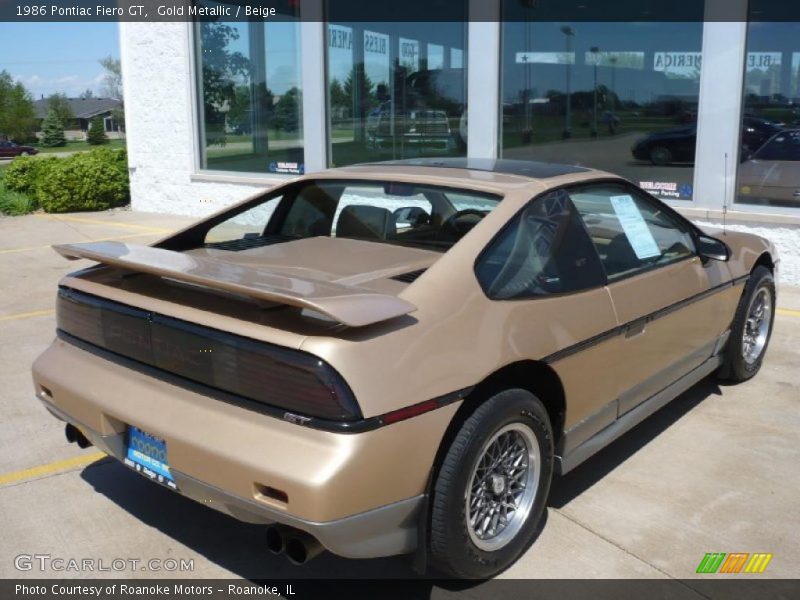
(717, 470)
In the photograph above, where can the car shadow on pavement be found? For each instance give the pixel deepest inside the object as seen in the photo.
(584, 476)
(235, 546)
(240, 548)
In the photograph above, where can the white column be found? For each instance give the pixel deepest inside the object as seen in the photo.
(312, 68)
(719, 113)
(483, 80)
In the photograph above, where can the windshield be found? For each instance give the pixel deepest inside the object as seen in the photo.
(390, 212)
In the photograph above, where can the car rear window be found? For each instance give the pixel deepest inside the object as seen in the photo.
(385, 212)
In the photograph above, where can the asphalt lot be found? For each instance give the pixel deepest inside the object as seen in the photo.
(718, 470)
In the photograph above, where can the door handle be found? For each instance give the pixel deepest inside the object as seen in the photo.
(635, 328)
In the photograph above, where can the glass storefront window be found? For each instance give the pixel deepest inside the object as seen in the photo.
(396, 89)
(769, 164)
(250, 95)
(617, 96)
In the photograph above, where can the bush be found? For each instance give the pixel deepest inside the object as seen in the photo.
(24, 173)
(97, 132)
(95, 180)
(15, 203)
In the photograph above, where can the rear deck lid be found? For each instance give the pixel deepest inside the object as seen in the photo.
(347, 304)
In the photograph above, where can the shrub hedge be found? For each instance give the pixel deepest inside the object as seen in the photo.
(15, 203)
(94, 180)
(24, 172)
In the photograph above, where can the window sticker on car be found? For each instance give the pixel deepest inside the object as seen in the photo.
(635, 228)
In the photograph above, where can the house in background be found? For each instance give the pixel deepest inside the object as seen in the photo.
(84, 110)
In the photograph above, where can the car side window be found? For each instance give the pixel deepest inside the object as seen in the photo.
(543, 250)
(785, 146)
(631, 234)
(248, 224)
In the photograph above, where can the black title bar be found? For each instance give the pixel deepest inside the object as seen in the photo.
(393, 11)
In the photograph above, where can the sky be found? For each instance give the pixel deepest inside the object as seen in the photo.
(57, 57)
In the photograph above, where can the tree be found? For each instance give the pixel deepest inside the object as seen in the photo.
(53, 131)
(112, 80)
(59, 103)
(86, 94)
(112, 87)
(97, 132)
(16, 110)
(340, 101)
(223, 71)
(240, 109)
(222, 68)
(366, 92)
(287, 111)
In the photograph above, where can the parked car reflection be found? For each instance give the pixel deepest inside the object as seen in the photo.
(772, 173)
(678, 145)
(423, 128)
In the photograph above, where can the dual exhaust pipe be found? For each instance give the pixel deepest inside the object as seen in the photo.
(75, 436)
(299, 546)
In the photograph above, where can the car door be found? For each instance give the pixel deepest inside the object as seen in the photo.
(773, 173)
(685, 145)
(544, 268)
(670, 316)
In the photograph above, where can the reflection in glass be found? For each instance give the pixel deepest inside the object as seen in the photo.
(621, 97)
(250, 100)
(395, 90)
(769, 170)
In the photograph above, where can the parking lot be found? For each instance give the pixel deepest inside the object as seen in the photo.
(718, 470)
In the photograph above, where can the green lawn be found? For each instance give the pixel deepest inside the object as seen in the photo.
(79, 146)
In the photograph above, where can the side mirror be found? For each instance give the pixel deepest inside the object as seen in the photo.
(712, 249)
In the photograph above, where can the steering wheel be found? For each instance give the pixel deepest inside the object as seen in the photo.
(454, 226)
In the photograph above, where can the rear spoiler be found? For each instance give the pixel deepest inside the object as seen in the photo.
(345, 304)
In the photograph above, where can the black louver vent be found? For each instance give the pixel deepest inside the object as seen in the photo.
(249, 242)
(409, 277)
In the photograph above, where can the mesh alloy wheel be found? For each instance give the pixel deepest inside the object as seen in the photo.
(756, 326)
(503, 487)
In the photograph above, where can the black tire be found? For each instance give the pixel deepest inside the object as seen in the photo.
(659, 155)
(452, 548)
(735, 367)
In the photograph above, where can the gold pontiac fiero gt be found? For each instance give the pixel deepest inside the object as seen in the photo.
(397, 357)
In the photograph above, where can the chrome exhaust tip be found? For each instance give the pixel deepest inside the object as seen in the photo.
(301, 547)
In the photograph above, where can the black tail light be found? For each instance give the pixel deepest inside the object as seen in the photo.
(280, 377)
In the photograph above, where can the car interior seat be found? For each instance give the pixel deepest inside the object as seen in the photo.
(366, 222)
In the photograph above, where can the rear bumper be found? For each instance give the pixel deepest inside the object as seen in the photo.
(358, 494)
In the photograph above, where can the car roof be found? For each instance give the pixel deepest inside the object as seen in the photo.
(491, 175)
(525, 168)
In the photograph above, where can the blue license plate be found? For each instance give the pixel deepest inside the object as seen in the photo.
(147, 454)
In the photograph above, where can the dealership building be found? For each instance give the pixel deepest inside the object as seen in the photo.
(702, 111)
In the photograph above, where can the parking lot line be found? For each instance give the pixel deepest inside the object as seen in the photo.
(27, 315)
(788, 312)
(101, 222)
(58, 466)
(114, 239)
